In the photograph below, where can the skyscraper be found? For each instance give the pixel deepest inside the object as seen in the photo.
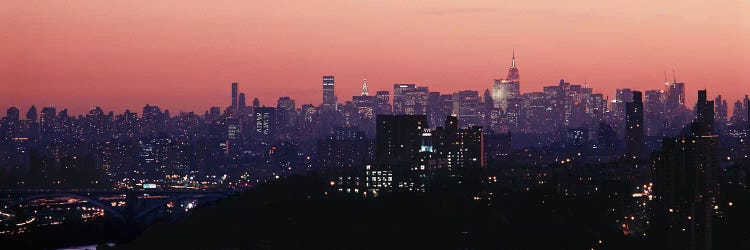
(383, 105)
(48, 122)
(653, 112)
(685, 188)
(12, 114)
(513, 71)
(234, 95)
(675, 96)
(410, 99)
(265, 121)
(622, 96)
(241, 102)
(704, 110)
(634, 125)
(721, 110)
(329, 97)
(31, 114)
(508, 88)
(365, 92)
(397, 151)
(469, 108)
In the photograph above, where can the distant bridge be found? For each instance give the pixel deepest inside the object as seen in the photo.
(139, 204)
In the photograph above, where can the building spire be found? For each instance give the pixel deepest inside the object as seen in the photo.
(364, 86)
(513, 63)
(674, 76)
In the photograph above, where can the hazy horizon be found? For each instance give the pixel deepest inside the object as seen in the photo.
(183, 55)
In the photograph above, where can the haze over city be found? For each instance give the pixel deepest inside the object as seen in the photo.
(366, 124)
(181, 54)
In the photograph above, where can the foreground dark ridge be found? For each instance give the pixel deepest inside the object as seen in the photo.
(296, 213)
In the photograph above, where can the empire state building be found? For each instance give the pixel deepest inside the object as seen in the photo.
(507, 88)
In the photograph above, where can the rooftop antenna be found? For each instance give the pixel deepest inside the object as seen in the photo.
(364, 85)
(674, 76)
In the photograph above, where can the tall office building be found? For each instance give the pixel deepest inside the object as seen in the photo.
(241, 101)
(675, 99)
(508, 88)
(256, 102)
(622, 96)
(285, 109)
(653, 112)
(438, 107)
(469, 108)
(397, 137)
(235, 93)
(365, 92)
(265, 121)
(721, 110)
(48, 121)
(329, 97)
(634, 125)
(704, 111)
(383, 106)
(31, 115)
(398, 146)
(12, 114)
(410, 99)
(685, 188)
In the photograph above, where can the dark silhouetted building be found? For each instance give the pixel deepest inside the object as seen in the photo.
(397, 153)
(634, 125)
(235, 96)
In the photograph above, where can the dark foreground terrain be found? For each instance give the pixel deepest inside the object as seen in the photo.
(301, 212)
(298, 214)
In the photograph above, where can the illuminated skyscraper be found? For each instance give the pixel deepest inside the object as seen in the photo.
(383, 100)
(622, 96)
(675, 100)
(329, 97)
(365, 92)
(469, 108)
(410, 99)
(507, 88)
(265, 121)
(653, 112)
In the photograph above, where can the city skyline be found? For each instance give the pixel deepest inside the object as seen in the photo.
(360, 124)
(236, 90)
(124, 56)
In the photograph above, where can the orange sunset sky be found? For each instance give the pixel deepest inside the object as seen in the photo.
(182, 55)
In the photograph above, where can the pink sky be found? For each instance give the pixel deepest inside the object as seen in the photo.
(182, 55)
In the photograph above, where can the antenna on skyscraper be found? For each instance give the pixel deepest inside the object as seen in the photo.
(364, 85)
(513, 63)
(674, 76)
